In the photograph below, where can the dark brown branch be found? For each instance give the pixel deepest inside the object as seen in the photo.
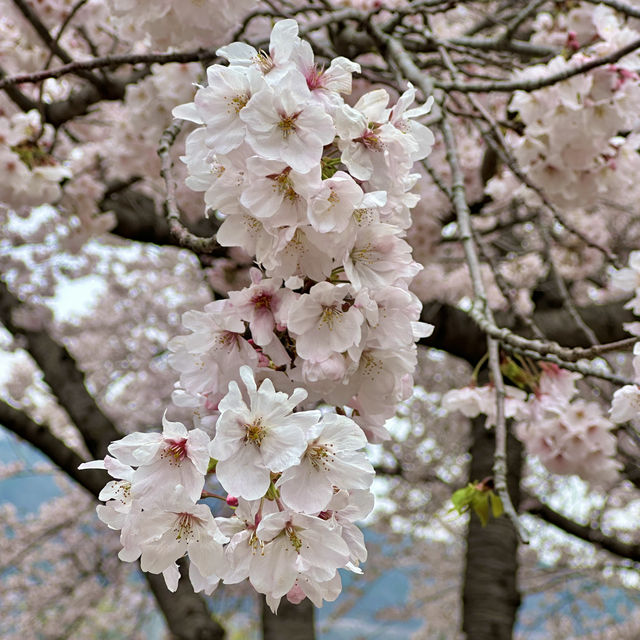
(57, 451)
(138, 219)
(52, 43)
(80, 100)
(490, 594)
(585, 532)
(64, 378)
(537, 83)
(16, 96)
(109, 62)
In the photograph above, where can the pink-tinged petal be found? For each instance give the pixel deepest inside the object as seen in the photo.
(187, 111)
(112, 518)
(115, 490)
(200, 583)
(198, 450)
(351, 470)
(274, 573)
(208, 556)
(230, 434)
(237, 53)
(270, 526)
(136, 448)
(233, 399)
(158, 556)
(116, 469)
(173, 430)
(171, 577)
(244, 475)
(93, 464)
(305, 489)
(343, 432)
(283, 448)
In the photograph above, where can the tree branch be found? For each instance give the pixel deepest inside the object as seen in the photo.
(584, 532)
(456, 333)
(138, 219)
(56, 450)
(64, 378)
(178, 229)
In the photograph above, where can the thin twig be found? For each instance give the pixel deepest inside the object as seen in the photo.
(177, 228)
(500, 452)
(109, 62)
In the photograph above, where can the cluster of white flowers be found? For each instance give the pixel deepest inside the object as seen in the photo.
(568, 435)
(319, 193)
(573, 144)
(30, 174)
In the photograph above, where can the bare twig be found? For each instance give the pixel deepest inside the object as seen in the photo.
(109, 62)
(177, 228)
(500, 453)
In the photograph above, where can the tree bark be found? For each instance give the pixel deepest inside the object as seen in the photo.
(292, 622)
(491, 597)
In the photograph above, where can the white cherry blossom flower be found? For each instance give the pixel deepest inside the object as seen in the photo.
(296, 543)
(165, 536)
(332, 459)
(324, 322)
(253, 441)
(171, 458)
(284, 124)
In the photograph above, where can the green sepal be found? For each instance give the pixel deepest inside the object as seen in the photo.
(272, 492)
(329, 166)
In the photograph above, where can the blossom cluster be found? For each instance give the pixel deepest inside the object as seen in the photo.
(31, 175)
(319, 193)
(553, 150)
(174, 23)
(568, 435)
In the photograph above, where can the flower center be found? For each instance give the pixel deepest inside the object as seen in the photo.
(330, 315)
(261, 300)
(187, 527)
(319, 456)
(238, 102)
(370, 138)
(296, 543)
(255, 432)
(176, 450)
(287, 124)
(264, 62)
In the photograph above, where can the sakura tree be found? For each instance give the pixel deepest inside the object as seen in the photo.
(347, 180)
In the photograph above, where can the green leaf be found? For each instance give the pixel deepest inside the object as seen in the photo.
(496, 505)
(462, 498)
(480, 506)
